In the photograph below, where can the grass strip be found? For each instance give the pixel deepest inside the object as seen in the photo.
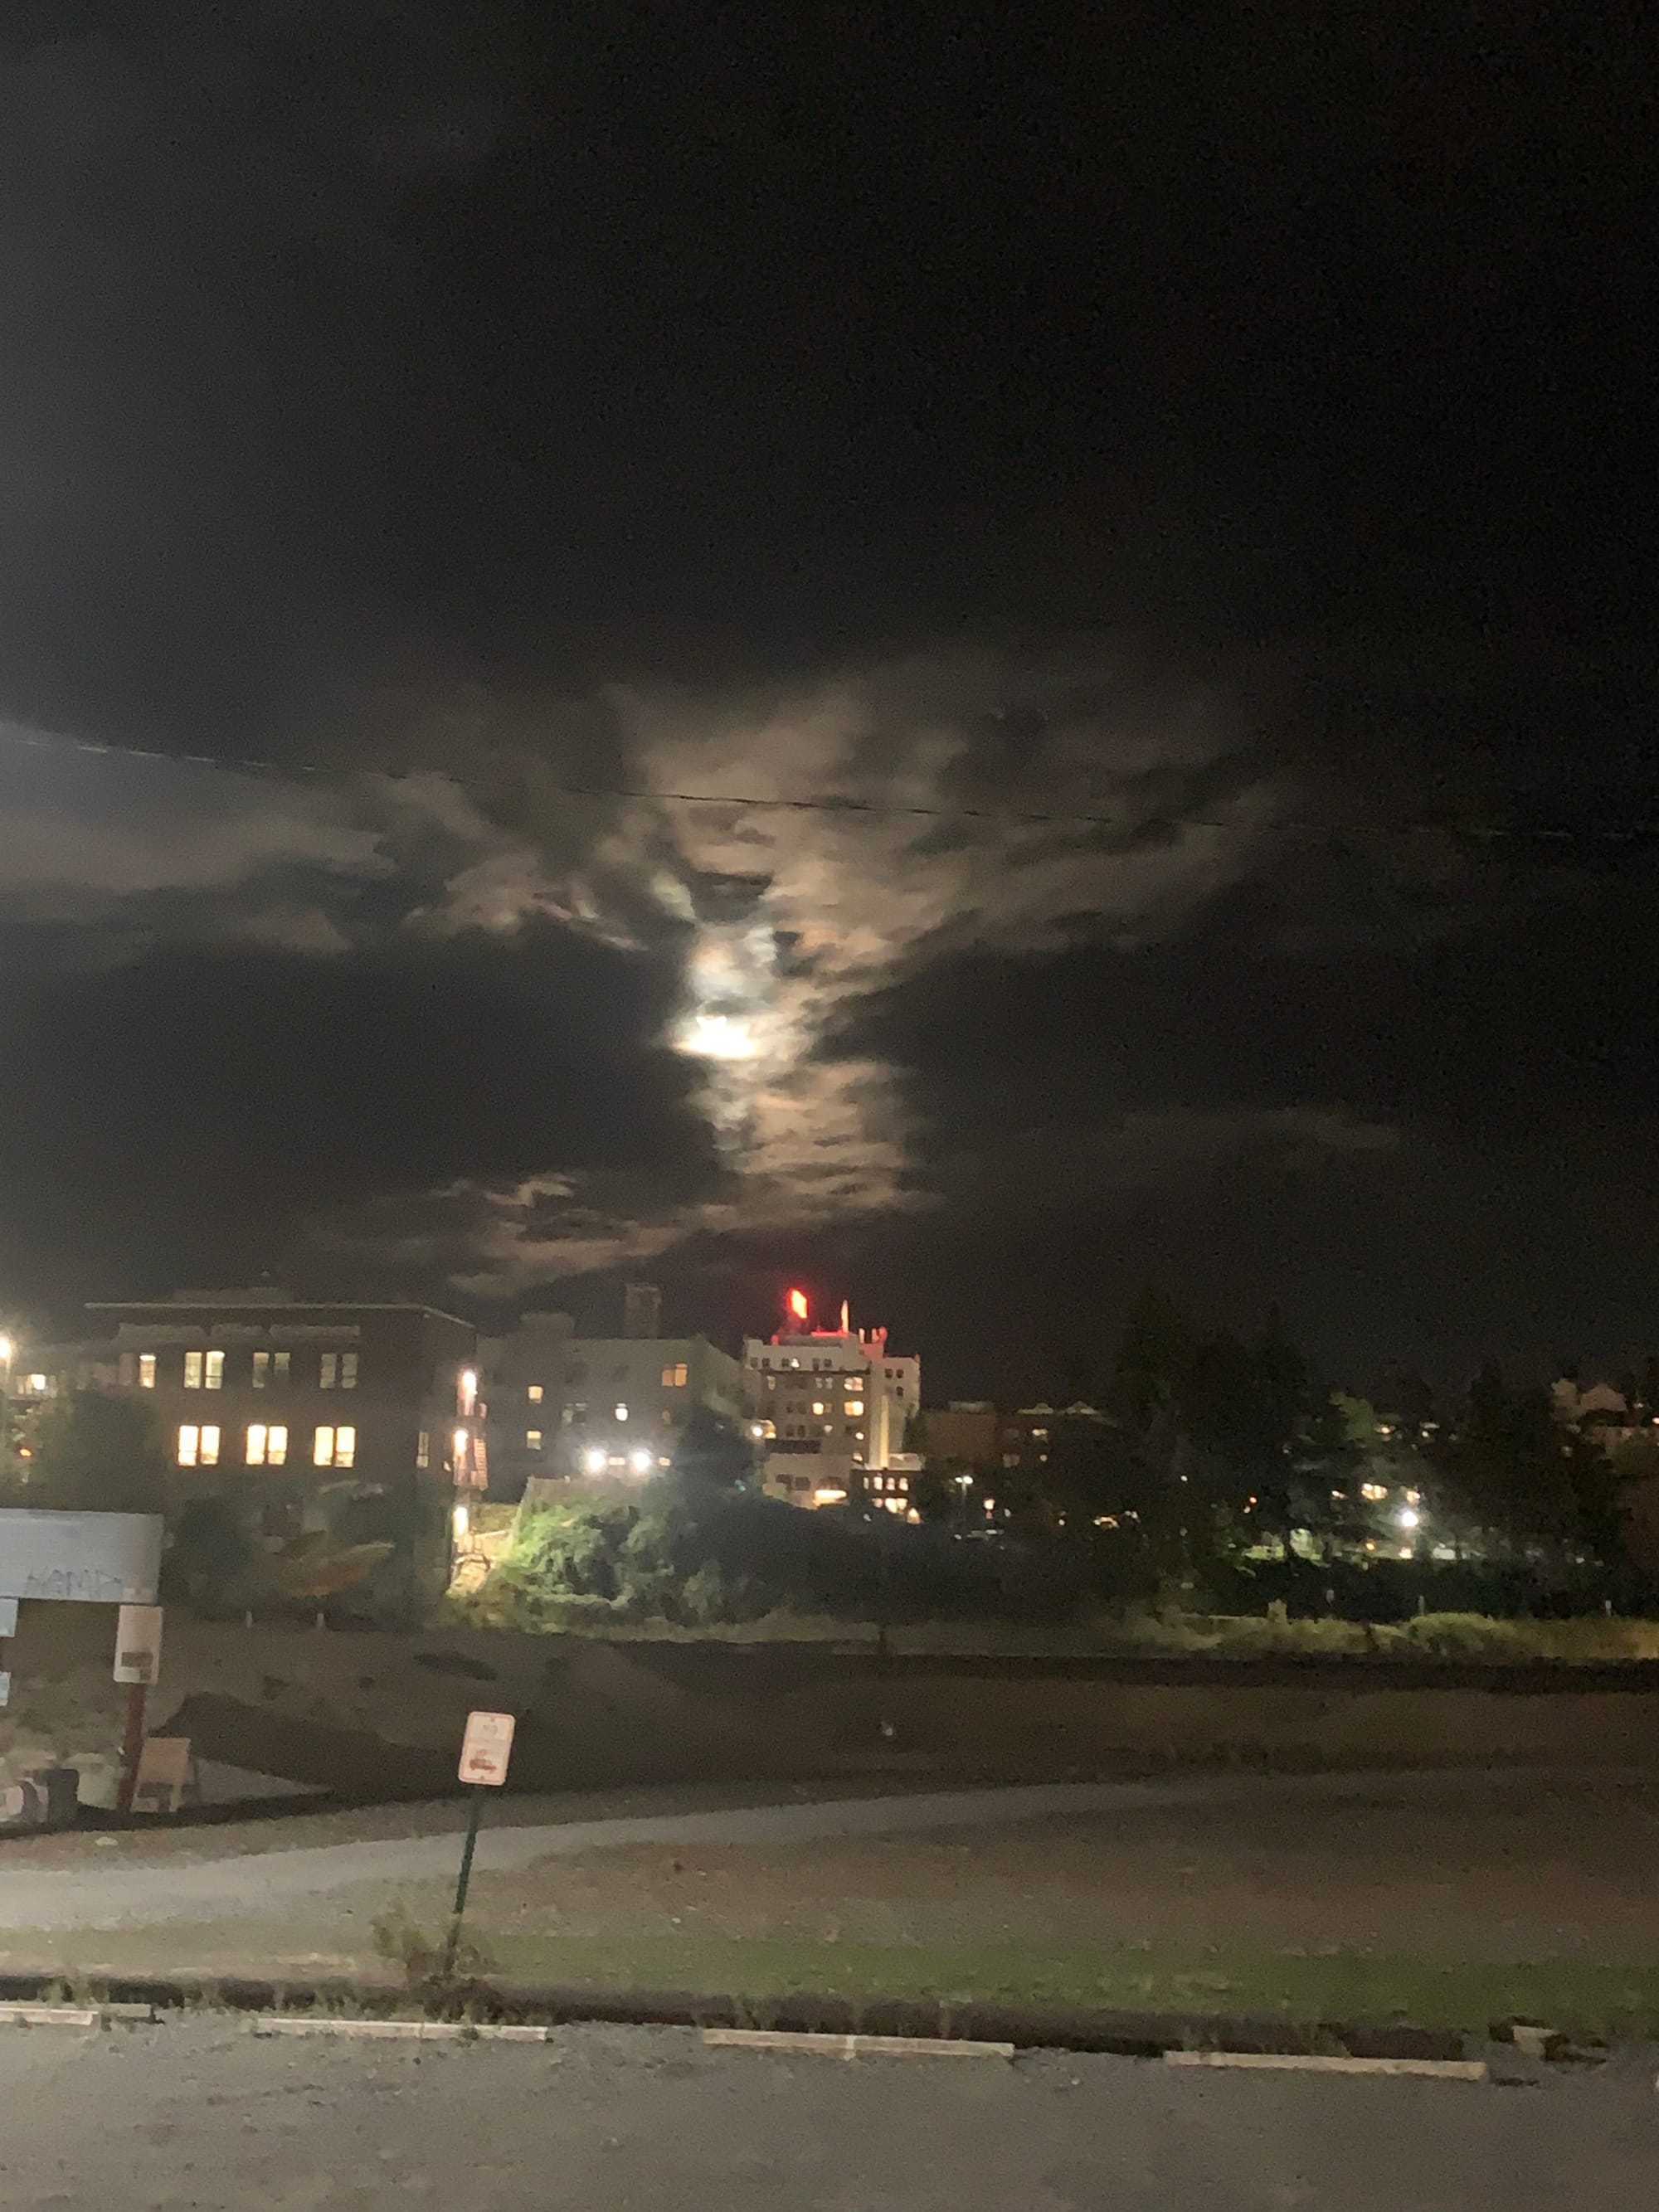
(1579, 1996)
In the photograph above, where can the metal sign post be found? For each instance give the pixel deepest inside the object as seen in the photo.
(486, 1749)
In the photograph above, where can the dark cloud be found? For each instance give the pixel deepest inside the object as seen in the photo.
(210, 1107)
(1220, 439)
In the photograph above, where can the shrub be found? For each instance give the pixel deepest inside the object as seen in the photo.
(1471, 1636)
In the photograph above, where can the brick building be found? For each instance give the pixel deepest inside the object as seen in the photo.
(354, 1425)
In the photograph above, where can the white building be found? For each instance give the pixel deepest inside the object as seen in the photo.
(837, 1394)
(562, 1405)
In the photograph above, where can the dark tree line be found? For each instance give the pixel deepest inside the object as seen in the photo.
(1215, 1443)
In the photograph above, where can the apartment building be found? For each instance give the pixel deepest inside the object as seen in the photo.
(562, 1405)
(838, 1393)
(330, 1418)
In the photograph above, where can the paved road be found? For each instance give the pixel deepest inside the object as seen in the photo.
(96, 1895)
(197, 2112)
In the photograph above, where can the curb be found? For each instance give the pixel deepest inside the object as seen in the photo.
(1302, 2061)
(402, 2031)
(64, 2015)
(853, 2046)
(1115, 2034)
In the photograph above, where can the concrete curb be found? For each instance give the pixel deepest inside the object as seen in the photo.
(853, 2046)
(404, 2031)
(1305, 2062)
(1130, 2035)
(25, 2014)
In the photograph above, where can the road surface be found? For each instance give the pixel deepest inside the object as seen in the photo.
(197, 2112)
(96, 1893)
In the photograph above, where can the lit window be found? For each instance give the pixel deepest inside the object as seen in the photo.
(270, 1367)
(423, 1449)
(622, 1413)
(855, 1405)
(190, 1440)
(255, 1452)
(334, 1447)
(674, 1377)
(345, 1447)
(192, 1370)
(466, 1392)
(534, 1393)
(331, 1370)
(1375, 1492)
(215, 1370)
(267, 1445)
(209, 1446)
(817, 1405)
(532, 1439)
(147, 1370)
(347, 1371)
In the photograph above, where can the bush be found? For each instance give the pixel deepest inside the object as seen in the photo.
(1471, 1636)
(688, 1553)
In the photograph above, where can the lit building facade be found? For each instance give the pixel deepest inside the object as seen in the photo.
(359, 1423)
(839, 1395)
(562, 1405)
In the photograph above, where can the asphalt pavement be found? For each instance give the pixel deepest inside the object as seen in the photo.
(216, 1883)
(198, 2111)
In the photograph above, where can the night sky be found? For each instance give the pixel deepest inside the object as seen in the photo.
(1227, 436)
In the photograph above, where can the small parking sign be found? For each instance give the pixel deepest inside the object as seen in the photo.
(486, 1748)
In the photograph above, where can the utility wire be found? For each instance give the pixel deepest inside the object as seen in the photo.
(1559, 835)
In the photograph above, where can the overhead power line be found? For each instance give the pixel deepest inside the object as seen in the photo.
(1555, 834)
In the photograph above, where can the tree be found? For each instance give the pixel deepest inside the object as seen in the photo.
(1516, 1470)
(1154, 1358)
(97, 1453)
(713, 1450)
(1326, 1460)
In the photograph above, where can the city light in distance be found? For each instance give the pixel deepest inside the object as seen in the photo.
(596, 1460)
(799, 1307)
(639, 1461)
(1407, 1517)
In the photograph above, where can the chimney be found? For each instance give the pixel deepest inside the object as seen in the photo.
(642, 1309)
